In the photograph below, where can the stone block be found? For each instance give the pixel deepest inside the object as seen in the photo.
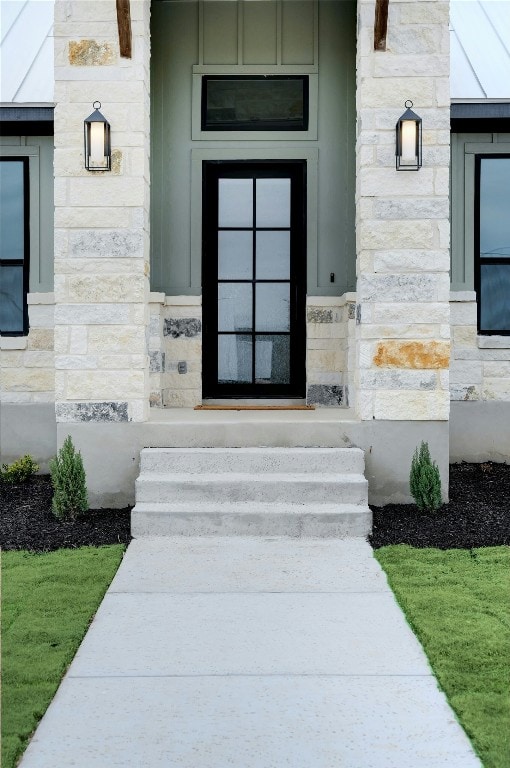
(27, 380)
(92, 314)
(419, 39)
(411, 405)
(85, 289)
(424, 13)
(38, 359)
(41, 315)
(416, 208)
(156, 361)
(404, 288)
(411, 260)
(41, 338)
(92, 216)
(103, 412)
(92, 385)
(386, 64)
(91, 53)
(112, 191)
(465, 335)
(382, 182)
(494, 342)
(496, 389)
(325, 395)
(497, 368)
(398, 379)
(184, 398)
(463, 313)
(319, 315)
(422, 314)
(76, 362)
(412, 354)
(465, 372)
(395, 234)
(388, 91)
(465, 392)
(399, 331)
(108, 244)
(187, 327)
(324, 359)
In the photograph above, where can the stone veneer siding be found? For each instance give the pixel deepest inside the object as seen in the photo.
(175, 337)
(480, 366)
(27, 370)
(101, 218)
(326, 350)
(400, 371)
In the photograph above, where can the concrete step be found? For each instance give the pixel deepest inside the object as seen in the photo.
(272, 491)
(251, 519)
(252, 460)
(299, 488)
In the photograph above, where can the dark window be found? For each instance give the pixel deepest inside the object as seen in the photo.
(492, 217)
(255, 103)
(14, 246)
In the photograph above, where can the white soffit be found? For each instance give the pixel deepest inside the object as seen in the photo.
(479, 50)
(26, 52)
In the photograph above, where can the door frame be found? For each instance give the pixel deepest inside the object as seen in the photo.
(212, 171)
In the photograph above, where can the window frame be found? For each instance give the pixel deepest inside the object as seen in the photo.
(478, 260)
(262, 125)
(25, 262)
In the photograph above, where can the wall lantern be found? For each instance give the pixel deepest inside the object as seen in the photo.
(98, 151)
(408, 140)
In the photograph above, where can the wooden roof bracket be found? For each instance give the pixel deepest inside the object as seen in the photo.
(380, 24)
(124, 25)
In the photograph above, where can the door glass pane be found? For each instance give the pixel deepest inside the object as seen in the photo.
(272, 307)
(495, 297)
(273, 202)
(495, 207)
(272, 359)
(234, 359)
(235, 203)
(273, 255)
(12, 211)
(11, 299)
(234, 307)
(235, 255)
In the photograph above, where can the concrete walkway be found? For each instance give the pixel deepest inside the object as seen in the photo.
(253, 653)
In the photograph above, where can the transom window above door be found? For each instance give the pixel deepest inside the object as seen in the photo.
(254, 103)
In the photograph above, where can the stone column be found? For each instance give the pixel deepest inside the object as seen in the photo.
(402, 225)
(101, 218)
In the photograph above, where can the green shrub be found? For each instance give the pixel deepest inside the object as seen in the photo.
(69, 483)
(425, 480)
(19, 471)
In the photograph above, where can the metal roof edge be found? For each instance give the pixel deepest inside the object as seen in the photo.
(18, 113)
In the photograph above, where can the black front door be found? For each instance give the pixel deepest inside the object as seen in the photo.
(253, 279)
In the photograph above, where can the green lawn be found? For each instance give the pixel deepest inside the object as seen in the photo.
(48, 601)
(458, 604)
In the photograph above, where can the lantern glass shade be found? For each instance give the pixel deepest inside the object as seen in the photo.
(408, 142)
(96, 129)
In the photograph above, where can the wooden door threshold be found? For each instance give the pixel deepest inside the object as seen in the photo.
(254, 408)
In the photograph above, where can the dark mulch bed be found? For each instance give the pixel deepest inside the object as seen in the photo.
(27, 522)
(478, 514)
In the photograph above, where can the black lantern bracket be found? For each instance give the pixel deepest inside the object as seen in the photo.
(97, 144)
(408, 140)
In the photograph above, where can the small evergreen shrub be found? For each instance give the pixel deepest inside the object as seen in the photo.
(69, 484)
(425, 480)
(19, 471)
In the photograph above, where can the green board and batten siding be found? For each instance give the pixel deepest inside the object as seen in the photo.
(238, 38)
(39, 150)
